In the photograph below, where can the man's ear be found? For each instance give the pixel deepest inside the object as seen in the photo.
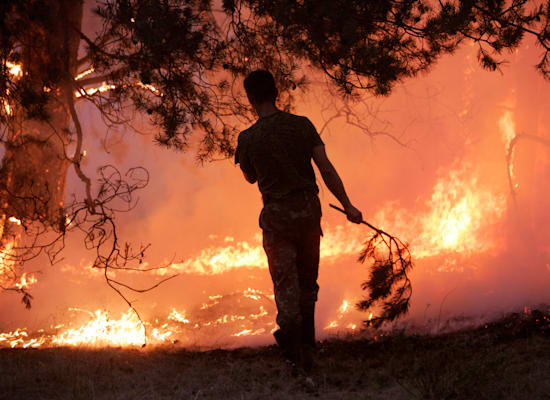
(251, 99)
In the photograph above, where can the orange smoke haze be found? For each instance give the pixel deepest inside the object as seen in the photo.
(444, 190)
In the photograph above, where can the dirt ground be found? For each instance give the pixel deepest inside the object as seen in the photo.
(507, 359)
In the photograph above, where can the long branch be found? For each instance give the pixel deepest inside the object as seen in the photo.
(510, 153)
(97, 79)
(77, 158)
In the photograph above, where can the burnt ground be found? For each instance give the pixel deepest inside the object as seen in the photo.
(506, 359)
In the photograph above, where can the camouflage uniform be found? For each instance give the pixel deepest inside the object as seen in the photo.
(277, 149)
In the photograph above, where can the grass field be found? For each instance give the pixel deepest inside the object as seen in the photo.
(507, 359)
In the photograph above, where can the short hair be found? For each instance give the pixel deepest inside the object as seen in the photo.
(260, 85)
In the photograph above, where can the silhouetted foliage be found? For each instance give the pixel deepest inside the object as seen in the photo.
(374, 44)
(388, 286)
(194, 54)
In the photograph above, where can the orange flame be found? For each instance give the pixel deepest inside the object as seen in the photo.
(14, 220)
(15, 69)
(9, 274)
(345, 313)
(20, 338)
(337, 242)
(460, 209)
(84, 73)
(102, 330)
(91, 91)
(25, 281)
(508, 129)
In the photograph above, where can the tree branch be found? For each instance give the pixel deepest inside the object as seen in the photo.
(77, 158)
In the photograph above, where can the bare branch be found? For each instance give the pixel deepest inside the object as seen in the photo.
(77, 158)
(510, 156)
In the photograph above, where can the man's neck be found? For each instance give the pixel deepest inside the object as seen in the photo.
(266, 109)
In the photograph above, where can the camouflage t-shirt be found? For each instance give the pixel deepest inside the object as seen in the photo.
(277, 149)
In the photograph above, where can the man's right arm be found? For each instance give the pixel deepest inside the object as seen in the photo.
(334, 183)
(242, 159)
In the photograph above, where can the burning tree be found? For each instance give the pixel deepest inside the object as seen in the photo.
(179, 64)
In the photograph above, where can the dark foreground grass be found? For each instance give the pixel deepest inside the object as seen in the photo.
(508, 359)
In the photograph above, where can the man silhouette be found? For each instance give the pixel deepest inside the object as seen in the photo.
(276, 152)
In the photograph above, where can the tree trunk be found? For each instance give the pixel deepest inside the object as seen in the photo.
(33, 172)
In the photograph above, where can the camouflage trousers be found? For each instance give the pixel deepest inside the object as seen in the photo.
(293, 260)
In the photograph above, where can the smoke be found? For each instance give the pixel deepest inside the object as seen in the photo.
(427, 163)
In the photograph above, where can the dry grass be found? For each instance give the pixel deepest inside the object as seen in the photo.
(509, 359)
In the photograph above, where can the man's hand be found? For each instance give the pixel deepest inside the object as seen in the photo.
(353, 214)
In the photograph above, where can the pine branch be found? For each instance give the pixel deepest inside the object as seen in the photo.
(388, 285)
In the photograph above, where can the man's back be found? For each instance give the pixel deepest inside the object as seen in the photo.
(277, 149)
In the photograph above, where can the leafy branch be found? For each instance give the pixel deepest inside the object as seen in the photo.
(388, 285)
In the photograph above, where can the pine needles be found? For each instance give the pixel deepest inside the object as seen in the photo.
(388, 285)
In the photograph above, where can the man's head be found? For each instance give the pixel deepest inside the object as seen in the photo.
(260, 87)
